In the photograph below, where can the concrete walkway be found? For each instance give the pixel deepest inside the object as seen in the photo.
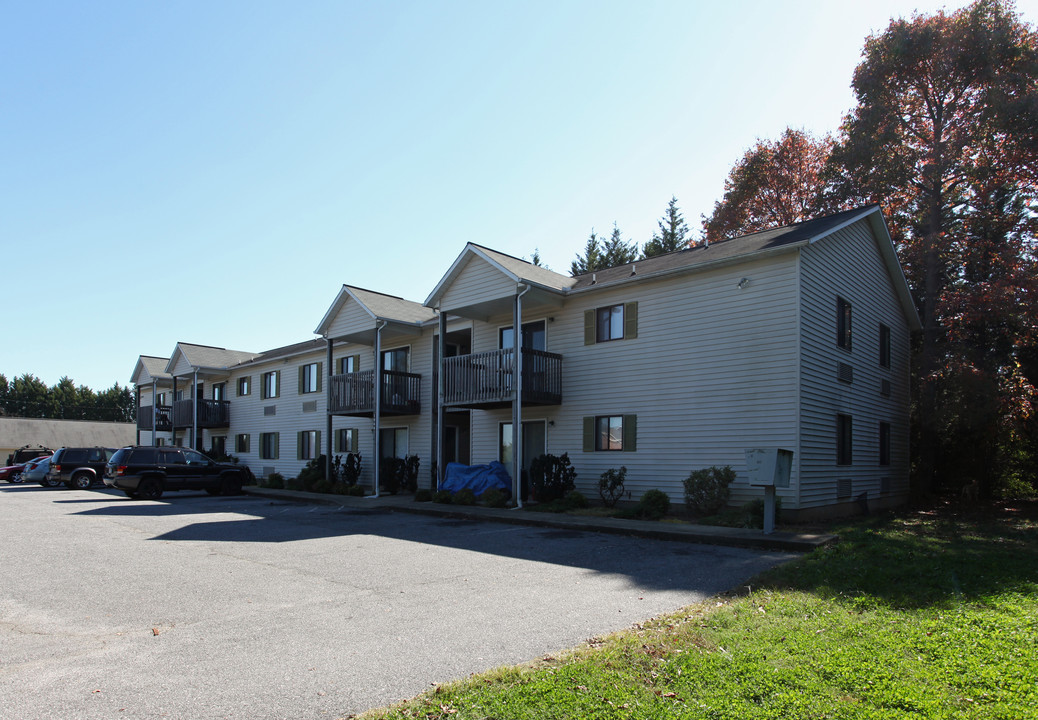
(681, 532)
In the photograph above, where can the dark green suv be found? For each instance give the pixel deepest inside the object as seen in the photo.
(78, 467)
(145, 472)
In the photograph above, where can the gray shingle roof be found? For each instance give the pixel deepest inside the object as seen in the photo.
(390, 307)
(206, 356)
(720, 251)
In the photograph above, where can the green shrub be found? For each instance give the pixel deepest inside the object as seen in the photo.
(355, 491)
(442, 496)
(494, 497)
(392, 474)
(551, 477)
(312, 473)
(465, 496)
(410, 475)
(706, 490)
(347, 471)
(294, 484)
(653, 505)
(324, 485)
(575, 500)
(423, 495)
(275, 481)
(611, 485)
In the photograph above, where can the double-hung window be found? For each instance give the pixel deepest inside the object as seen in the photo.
(843, 323)
(269, 446)
(270, 384)
(308, 443)
(310, 378)
(884, 345)
(244, 386)
(844, 440)
(604, 433)
(611, 322)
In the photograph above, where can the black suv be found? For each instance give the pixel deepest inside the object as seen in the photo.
(146, 472)
(79, 467)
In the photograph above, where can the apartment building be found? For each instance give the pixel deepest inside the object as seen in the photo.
(796, 338)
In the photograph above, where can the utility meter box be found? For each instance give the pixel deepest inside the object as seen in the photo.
(769, 467)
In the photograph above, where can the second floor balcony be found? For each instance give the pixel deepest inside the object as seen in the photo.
(486, 380)
(211, 413)
(162, 418)
(354, 393)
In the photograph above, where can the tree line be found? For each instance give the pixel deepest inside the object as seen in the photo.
(28, 396)
(944, 136)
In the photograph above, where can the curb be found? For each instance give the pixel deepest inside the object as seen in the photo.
(706, 534)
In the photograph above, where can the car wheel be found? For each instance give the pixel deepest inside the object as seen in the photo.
(45, 482)
(149, 489)
(82, 481)
(16, 479)
(132, 494)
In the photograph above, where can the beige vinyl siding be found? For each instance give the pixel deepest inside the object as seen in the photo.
(351, 318)
(712, 371)
(848, 265)
(182, 367)
(477, 282)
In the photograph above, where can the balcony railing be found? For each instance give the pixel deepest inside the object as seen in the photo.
(211, 413)
(486, 379)
(354, 393)
(163, 417)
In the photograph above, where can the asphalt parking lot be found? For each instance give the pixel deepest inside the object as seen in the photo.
(246, 607)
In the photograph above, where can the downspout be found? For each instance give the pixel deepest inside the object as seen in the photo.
(328, 413)
(194, 408)
(440, 392)
(378, 402)
(517, 401)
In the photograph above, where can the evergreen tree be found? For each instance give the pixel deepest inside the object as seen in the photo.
(591, 260)
(672, 233)
(617, 251)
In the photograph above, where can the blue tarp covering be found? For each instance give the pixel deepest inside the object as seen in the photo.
(478, 477)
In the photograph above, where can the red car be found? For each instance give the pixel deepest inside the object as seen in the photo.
(12, 473)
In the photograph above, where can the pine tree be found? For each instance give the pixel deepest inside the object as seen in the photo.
(672, 234)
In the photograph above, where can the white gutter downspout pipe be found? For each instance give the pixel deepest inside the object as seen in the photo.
(194, 407)
(378, 402)
(517, 401)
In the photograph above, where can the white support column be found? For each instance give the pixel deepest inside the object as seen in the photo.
(517, 400)
(440, 388)
(378, 403)
(154, 411)
(328, 413)
(194, 408)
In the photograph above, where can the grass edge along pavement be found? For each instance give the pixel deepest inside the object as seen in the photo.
(920, 614)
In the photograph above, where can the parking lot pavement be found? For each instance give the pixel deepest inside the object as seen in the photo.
(247, 607)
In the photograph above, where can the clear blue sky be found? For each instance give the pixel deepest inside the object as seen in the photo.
(213, 172)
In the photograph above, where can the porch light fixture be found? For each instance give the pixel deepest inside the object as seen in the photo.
(743, 283)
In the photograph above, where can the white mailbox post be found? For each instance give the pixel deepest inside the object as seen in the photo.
(770, 468)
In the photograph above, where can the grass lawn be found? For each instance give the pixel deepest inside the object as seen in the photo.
(923, 614)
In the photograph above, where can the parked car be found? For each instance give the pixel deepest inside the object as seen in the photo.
(36, 471)
(26, 453)
(12, 473)
(79, 467)
(146, 472)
